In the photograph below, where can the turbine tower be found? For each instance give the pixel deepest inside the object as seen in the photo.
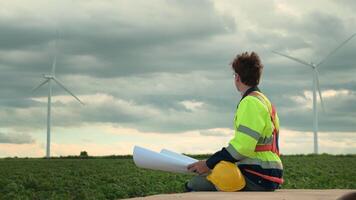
(316, 86)
(48, 79)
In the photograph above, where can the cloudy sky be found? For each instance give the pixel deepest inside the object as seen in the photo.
(156, 73)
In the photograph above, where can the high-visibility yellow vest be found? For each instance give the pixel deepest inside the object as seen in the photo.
(254, 127)
(255, 142)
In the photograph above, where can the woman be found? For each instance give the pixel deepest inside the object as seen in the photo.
(251, 160)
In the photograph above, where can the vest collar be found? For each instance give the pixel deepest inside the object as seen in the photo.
(251, 89)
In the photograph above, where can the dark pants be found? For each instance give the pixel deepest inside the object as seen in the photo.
(200, 183)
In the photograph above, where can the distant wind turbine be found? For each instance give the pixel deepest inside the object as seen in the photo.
(48, 79)
(316, 85)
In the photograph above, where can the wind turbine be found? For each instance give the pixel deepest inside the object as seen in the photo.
(48, 79)
(316, 85)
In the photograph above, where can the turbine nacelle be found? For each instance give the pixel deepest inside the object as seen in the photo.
(46, 76)
(313, 65)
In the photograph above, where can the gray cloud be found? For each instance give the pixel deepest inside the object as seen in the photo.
(212, 133)
(148, 57)
(15, 138)
(126, 43)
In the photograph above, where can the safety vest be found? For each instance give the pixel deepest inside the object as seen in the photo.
(255, 142)
(256, 135)
(272, 111)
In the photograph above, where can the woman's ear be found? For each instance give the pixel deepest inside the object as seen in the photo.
(237, 78)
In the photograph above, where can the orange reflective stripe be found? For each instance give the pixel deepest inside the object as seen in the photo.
(264, 147)
(269, 147)
(270, 178)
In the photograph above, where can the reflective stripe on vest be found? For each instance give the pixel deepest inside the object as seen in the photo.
(272, 111)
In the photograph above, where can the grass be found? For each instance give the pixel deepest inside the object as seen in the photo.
(118, 177)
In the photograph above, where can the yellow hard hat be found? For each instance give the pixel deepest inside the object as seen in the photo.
(227, 177)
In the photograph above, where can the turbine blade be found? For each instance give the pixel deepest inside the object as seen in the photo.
(55, 54)
(35, 88)
(60, 84)
(54, 65)
(295, 59)
(318, 86)
(337, 48)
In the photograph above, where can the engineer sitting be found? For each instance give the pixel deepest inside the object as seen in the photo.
(251, 160)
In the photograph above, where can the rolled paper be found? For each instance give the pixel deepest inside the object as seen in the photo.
(168, 161)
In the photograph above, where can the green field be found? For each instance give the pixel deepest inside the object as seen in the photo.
(115, 178)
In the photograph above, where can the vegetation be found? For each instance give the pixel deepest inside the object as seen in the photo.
(83, 154)
(116, 177)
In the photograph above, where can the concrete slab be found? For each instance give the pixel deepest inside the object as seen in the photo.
(277, 195)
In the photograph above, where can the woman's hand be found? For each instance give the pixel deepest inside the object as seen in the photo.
(199, 167)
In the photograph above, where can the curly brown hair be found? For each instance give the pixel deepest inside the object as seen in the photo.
(248, 67)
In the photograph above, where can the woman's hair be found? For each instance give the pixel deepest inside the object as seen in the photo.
(248, 67)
